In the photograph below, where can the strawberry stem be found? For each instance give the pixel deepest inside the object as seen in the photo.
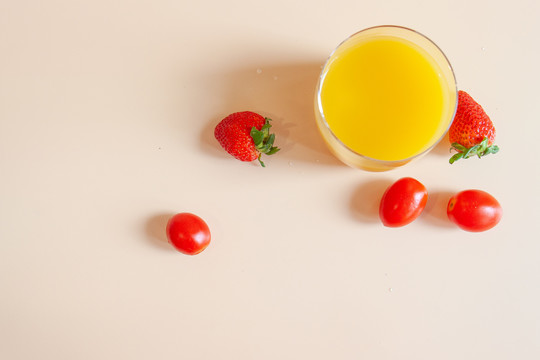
(264, 141)
(479, 150)
(260, 161)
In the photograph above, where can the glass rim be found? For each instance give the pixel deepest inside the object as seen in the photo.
(324, 72)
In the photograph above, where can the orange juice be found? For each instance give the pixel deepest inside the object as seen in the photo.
(383, 99)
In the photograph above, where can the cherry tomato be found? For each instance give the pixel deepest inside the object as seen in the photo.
(474, 210)
(402, 202)
(188, 233)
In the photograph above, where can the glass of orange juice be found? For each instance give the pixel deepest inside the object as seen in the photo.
(386, 95)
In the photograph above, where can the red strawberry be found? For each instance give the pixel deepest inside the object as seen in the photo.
(246, 136)
(472, 132)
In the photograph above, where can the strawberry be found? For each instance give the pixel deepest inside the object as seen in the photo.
(246, 136)
(472, 132)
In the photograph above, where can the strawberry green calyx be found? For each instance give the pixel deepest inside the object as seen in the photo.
(479, 150)
(264, 141)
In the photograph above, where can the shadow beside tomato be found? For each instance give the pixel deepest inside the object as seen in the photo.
(366, 199)
(156, 230)
(435, 210)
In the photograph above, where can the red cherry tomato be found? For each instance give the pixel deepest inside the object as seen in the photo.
(188, 233)
(402, 202)
(474, 210)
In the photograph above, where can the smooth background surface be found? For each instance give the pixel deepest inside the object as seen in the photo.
(107, 110)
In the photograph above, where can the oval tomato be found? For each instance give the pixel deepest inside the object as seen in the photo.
(188, 233)
(402, 202)
(474, 210)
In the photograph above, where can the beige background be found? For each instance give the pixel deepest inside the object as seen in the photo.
(107, 110)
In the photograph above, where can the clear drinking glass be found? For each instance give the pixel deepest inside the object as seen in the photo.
(430, 52)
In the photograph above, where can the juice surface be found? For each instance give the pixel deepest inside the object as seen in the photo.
(384, 99)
